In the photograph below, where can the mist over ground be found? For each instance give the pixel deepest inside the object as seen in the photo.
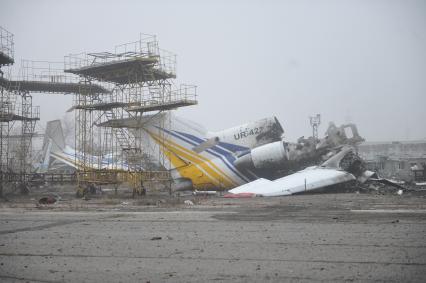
(351, 61)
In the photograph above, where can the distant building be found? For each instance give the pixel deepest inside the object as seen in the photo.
(402, 160)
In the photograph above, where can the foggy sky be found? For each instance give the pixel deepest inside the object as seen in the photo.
(351, 61)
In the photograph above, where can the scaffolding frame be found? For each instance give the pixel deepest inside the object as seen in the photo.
(18, 115)
(140, 79)
(17, 112)
(6, 47)
(7, 105)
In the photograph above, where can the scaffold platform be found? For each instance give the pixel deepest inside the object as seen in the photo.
(102, 106)
(52, 87)
(162, 106)
(9, 117)
(130, 70)
(185, 95)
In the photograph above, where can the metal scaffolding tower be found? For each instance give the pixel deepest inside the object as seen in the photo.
(18, 116)
(140, 78)
(6, 105)
(16, 111)
(6, 48)
(7, 111)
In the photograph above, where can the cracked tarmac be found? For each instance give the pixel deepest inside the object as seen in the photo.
(319, 237)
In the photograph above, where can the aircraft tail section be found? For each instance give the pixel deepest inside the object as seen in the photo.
(54, 147)
(54, 135)
(171, 139)
(193, 153)
(43, 165)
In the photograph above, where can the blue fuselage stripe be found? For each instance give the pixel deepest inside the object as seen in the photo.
(223, 155)
(227, 154)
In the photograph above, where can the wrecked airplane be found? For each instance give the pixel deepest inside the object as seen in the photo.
(244, 159)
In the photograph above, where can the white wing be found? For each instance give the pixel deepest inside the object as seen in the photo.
(306, 180)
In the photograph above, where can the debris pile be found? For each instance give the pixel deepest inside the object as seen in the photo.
(49, 199)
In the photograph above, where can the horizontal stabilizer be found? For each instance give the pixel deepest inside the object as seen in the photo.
(206, 145)
(54, 134)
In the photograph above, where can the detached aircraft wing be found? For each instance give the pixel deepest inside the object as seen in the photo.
(311, 178)
(302, 181)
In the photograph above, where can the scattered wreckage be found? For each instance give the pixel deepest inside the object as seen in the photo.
(252, 159)
(49, 199)
(343, 165)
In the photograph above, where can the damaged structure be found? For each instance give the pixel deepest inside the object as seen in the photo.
(403, 160)
(127, 134)
(139, 78)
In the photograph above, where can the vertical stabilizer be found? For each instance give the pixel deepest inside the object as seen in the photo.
(55, 134)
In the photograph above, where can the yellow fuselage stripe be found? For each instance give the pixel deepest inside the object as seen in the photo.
(194, 171)
(197, 159)
(199, 178)
(222, 174)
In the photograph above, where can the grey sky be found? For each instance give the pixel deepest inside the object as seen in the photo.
(358, 61)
